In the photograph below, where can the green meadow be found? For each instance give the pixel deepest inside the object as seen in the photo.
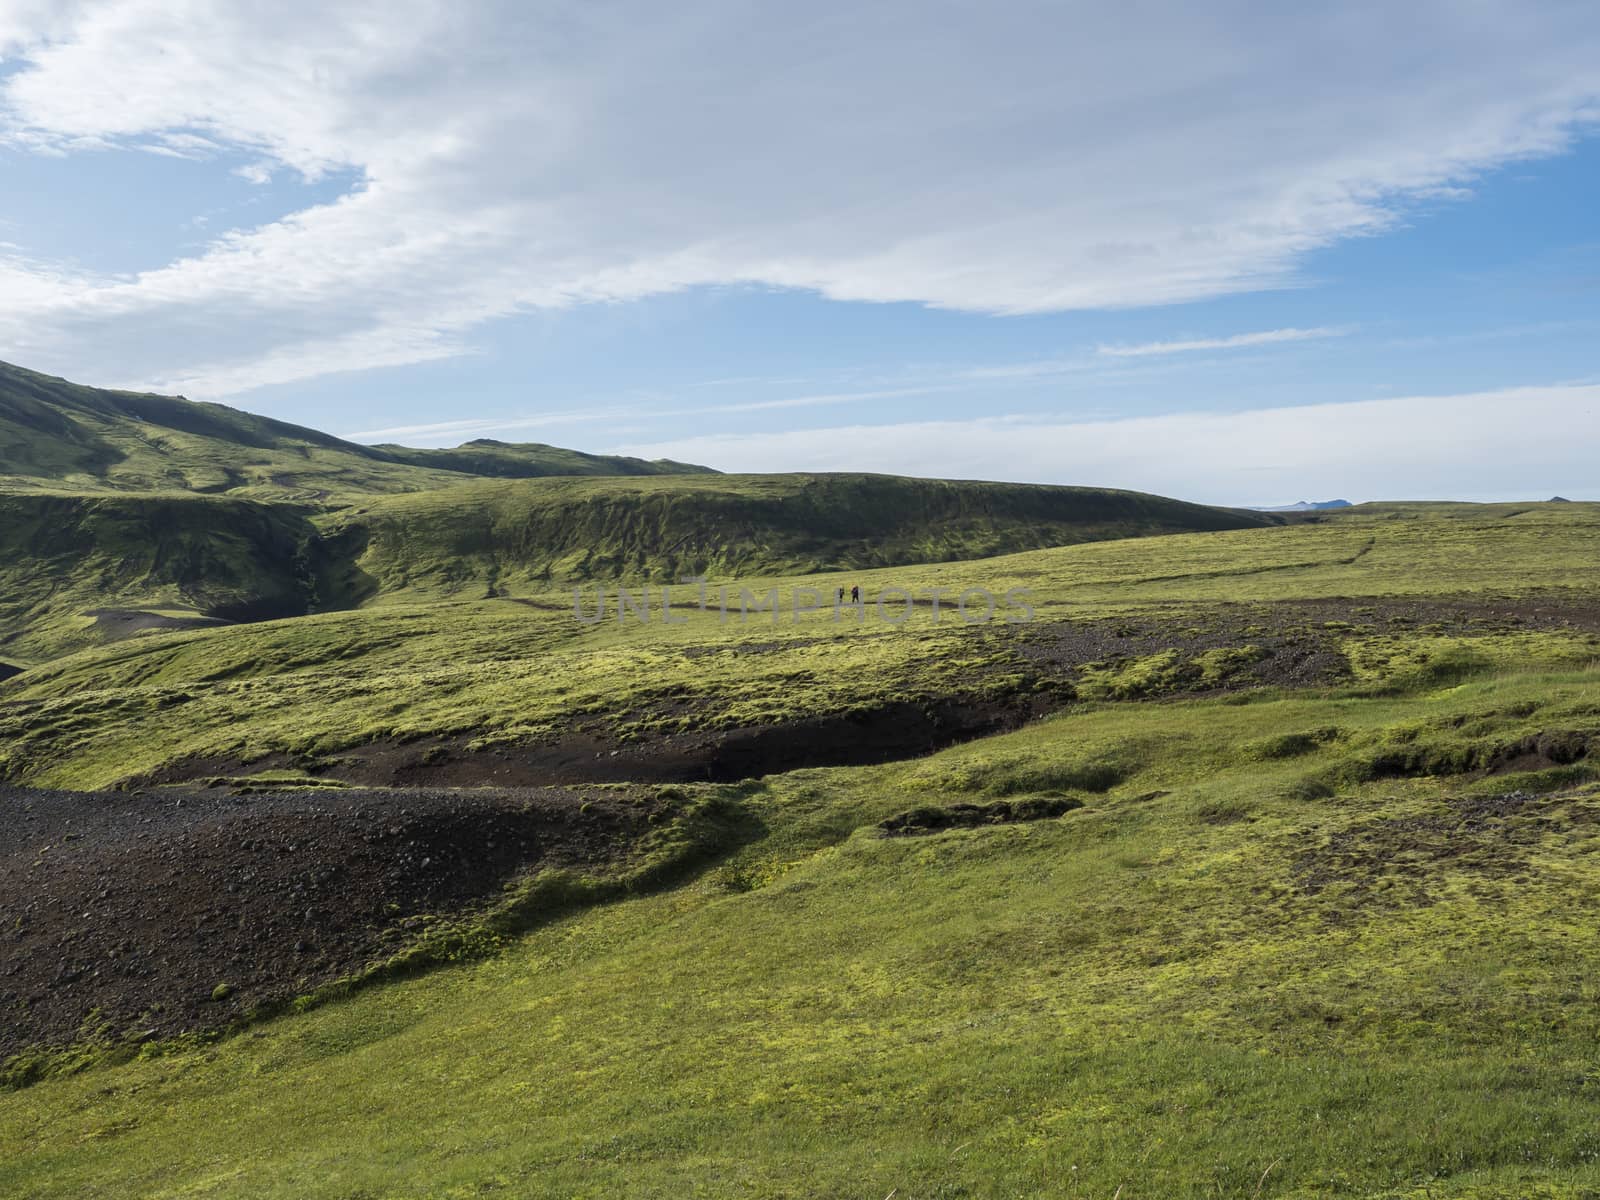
(1290, 940)
(512, 670)
(1208, 979)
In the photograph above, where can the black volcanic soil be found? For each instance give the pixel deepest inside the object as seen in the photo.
(897, 730)
(134, 907)
(1299, 639)
(894, 731)
(7, 671)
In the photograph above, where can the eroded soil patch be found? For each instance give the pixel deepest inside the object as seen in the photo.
(1404, 860)
(1299, 642)
(932, 818)
(902, 729)
(125, 912)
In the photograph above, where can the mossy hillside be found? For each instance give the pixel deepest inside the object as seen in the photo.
(64, 448)
(506, 671)
(1492, 552)
(1195, 982)
(524, 535)
(488, 458)
(85, 437)
(66, 558)
(66, 554)
(1284, 945)
(487, 674)
(57, 433)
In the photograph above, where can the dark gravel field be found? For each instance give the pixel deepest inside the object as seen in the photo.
(147, 913)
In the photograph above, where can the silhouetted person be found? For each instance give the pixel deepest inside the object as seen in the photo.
(855, 595)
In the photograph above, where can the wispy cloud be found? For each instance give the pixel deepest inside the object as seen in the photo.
(816, 400)
(1238, 341)
(1029, 370)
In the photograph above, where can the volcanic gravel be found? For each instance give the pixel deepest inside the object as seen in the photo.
(126, 912)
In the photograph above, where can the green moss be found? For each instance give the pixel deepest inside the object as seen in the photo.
(1165, 672)
(55, 433)
(1292, 745)
(1191, 983)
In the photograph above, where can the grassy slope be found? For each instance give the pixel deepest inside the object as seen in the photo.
(1292, 973)
(528, 460)
(64, 557)
(1149, 994)
(54, 433)
(64, 554)
(93, 514)
(508, 671)
(518, 536)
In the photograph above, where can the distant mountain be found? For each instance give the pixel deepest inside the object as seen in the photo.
(529, 460)
(54, 433)
(530, 533)
(1306, 506)
(123, 514)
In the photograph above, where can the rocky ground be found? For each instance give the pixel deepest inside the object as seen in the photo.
(146, 913)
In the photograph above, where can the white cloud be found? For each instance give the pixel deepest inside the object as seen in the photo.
(815, 400)
(256, 172)
(1267, 337)
(1008, 158)
(1096, 363)
(1475, 446)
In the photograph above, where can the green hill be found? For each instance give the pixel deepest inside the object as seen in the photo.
(530, 460)
(516, 535)
(124, 513)
(54, 433)
(81, 569)
(1375, 599)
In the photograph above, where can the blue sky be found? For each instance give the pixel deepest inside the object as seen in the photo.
(1243, 255)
